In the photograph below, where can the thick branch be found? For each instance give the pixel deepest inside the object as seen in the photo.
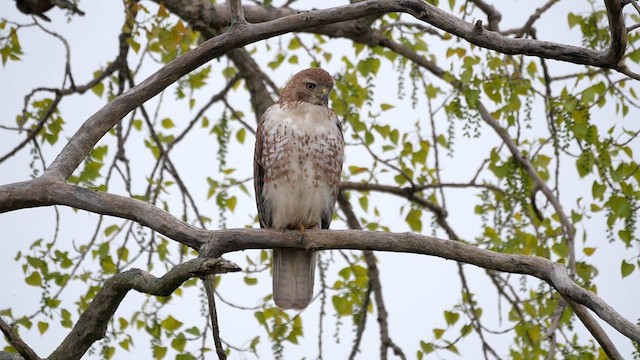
(43, 191)
(92, 324)
(223, 241)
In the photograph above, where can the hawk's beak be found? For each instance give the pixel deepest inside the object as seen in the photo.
(324, 96)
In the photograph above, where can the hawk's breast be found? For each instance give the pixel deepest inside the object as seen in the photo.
(302, 155)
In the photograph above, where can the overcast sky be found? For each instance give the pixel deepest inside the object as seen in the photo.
(417, 289)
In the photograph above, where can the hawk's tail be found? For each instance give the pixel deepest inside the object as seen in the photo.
(293, 272)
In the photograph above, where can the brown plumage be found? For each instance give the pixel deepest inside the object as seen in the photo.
(39, 7)
(297, 166)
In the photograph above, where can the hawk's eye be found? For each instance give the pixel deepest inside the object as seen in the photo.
(311, 86)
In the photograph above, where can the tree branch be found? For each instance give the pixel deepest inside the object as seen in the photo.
(17, 343)
(375, 285)
(92, 324)
(209, 286)
(44, 191)
(237, 13)
(99, 123)
(223, 241)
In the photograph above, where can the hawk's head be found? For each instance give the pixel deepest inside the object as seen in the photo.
(309, 85)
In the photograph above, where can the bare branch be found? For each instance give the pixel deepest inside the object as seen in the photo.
(223, 241)
(44, 191)
(493, 15)
(237, 13)
(209, 285)
(596, 330)
(375, 285)
(528, 26)
(17, 343)
(92, 324)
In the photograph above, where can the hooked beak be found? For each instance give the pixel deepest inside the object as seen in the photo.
(325, 96)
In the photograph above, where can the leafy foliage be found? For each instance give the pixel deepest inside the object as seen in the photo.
(414, 119)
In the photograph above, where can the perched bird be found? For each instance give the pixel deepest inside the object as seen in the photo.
(39, 7)
(297, 166)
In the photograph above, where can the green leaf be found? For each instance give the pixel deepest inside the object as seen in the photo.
(354, 170)
(573, 20)
(98, 89)
(414, 220)
(108, 352)
(342, 305)
(294, 44)
(42, 327)
(597, 190)
(451, 317)
(250, 280)
(369, 66)
(466, 330)
(585, 163)
(179, 342)
(195, 331)
(232, 202)
(125, 344)
(110, 230)
(364, 203)
(171, 324)
(34, 279)
(159, 352)
(241, 134)
(66, 319)
(427, 348)
(167, 123)
(627, 268)
(386, 107)
(625, 235)
(186, 356)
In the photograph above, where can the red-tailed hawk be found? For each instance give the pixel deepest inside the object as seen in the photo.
(297, 166)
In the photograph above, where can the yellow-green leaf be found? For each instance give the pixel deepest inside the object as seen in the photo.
(167, 123)
(42, 327)
(34, 279)
(627, 268)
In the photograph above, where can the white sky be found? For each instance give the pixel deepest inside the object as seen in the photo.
(417, 289)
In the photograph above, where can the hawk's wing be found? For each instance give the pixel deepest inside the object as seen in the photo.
(264, 210)
(337, 152)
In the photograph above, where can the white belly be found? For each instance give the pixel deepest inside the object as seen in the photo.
(303, 168)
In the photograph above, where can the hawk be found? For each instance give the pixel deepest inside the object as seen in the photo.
(297, 166)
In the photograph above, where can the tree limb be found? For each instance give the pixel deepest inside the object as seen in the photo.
(223, 241)
(17, 343)
(92, 324)
(99, 123)
(375, 285)
(209, 286)
(45, 191)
